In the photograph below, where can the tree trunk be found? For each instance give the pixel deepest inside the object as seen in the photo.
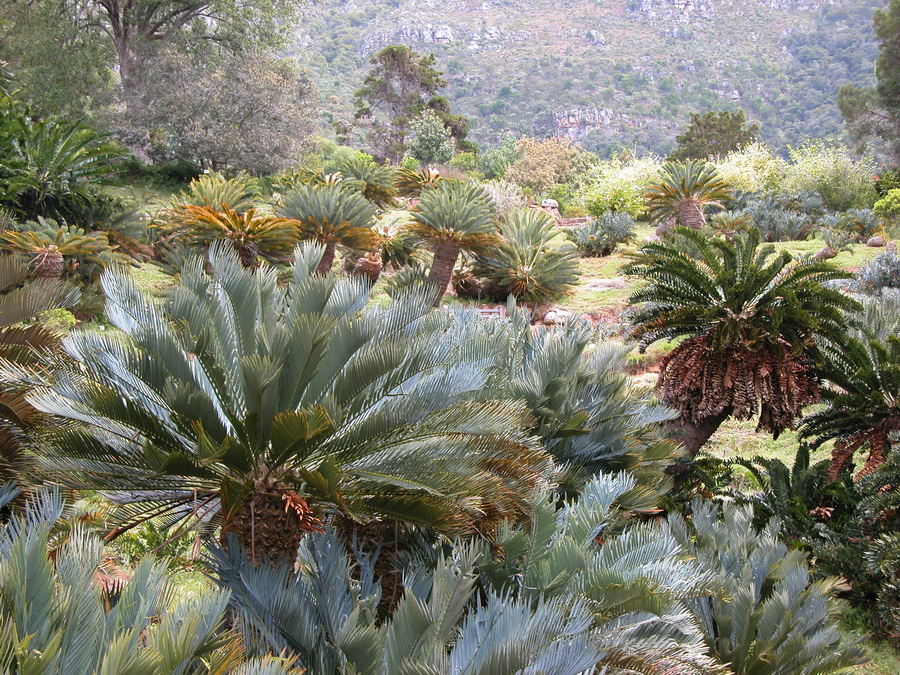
(690, 213)
(269, 525)
(445, 256)
(693, 435)
(368, 266)
(327, 260)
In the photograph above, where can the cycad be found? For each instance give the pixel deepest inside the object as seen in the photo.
(51, 167)
(686, 189)
(252, 236)
(526, 264)
(772, 620)
(862, 412)
(556, 601)
(20, 302)
(55, 620)
(331, 215)
(270, 408)
(453, 216)
(410, 183)
(238, 193)
(57, 250)
(377, 180)
(586, 411)
(754, 321)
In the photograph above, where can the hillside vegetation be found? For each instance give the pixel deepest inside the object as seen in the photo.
(612, 75)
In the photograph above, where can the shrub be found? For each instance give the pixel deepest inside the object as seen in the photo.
(888, 206)
(859, 223)
(784, 217)
(504, 195)
(841, 181)
(618, 185)
(753, 169)
(599, 237)
(542, 163)
(883, 271)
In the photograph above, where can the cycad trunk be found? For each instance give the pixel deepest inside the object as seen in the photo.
(368, 266)
(693, 435)
(327, 261)
(690, 213)
(246, 251)
(445, 256)
(269, 525)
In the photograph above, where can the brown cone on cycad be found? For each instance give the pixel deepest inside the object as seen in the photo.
(270, 525)
(48, 263)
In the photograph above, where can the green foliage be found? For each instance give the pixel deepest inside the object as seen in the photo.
(59, 616)
(841, 181)
(252, 236)
(63, 251)
(526, 265)
(239, 193)
(784, 216)
(771, 619)
(753, 169)
(888, 206)
(242, 388)
(741, 292)
(48, 168)
(393, 94)
(430, 142)
(714, 135)
(882, 272)
(871, 111)
(600, 236)
(21, 339)
(686, 190)
(618, 185)
(557, 601)
(755, 322)
(454, 210)
(377, 180)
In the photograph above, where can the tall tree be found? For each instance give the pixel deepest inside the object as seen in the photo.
(243, 110)
(393, 94)
(134, 27)
(714, 134)
(874, 112)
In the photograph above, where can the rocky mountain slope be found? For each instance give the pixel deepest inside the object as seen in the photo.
(609, 74)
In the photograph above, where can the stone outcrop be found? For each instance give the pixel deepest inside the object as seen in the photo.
(577, 123)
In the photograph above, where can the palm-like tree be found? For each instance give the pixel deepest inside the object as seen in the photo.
(453, 216)
(239, 193)
(331, 214)
(270, 408)
(377, 180)
(526, 265)
(686, 189)
(20, 301)
(49, 167)
(755, 322)
(410, 183)
(863, 402)
(56, 250)
(554, 602)
(252, 236)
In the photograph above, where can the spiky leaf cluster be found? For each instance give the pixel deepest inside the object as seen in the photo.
(242, 391)
(685, 191)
